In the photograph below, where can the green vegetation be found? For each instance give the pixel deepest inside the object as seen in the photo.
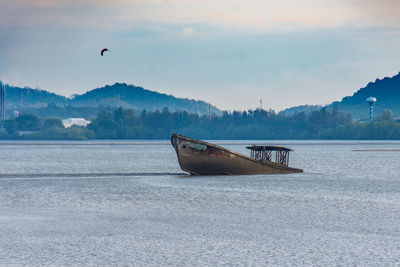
(386, 91)
(253, 124)
(29, 126)
(45, 104)
(138, 98)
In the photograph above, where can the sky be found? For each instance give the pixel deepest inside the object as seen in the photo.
(231, 53)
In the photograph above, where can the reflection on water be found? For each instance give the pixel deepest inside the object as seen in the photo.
(128, 202)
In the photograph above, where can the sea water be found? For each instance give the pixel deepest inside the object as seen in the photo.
(128, 202)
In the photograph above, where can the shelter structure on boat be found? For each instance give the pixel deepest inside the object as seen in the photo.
(267, 153)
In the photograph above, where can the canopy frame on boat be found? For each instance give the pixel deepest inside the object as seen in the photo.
(266, 153)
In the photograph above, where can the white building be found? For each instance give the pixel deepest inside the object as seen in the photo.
(75, 121)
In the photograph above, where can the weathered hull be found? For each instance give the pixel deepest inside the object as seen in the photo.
(202, 158)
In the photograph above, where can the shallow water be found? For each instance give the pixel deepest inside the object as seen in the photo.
(127, 202)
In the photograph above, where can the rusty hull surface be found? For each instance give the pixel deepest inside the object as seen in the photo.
(201, 158)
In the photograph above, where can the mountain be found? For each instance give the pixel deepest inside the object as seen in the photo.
(303, 108)
(46, 104)
(130, 96)
(32, 98)
(386, 91)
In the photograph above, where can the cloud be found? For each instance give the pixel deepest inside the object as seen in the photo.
(382, 13)
(188, 31)
(250, 15)
(66, 3)
(44, 3)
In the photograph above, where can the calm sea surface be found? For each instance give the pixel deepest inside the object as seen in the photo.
(128, 202)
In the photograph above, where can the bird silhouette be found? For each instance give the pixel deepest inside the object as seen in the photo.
(104, 50)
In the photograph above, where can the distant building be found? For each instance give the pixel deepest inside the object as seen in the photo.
(75, 121)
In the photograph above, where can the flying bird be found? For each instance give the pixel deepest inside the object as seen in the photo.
(104, 50)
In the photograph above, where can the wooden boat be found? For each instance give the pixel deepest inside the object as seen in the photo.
(201, 158)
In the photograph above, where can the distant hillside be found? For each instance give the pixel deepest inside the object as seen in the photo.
(31, 98)
(303, 108)
(386, 91)
(130, 96)
(46, 104)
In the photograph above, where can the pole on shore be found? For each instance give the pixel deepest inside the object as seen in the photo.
(2, 100)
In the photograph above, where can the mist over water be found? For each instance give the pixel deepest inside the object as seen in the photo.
(130, 203)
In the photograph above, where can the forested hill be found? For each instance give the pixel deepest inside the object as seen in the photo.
(386, 91)
(131, 96)
(47, 104)
(32, 98)
(298, 109)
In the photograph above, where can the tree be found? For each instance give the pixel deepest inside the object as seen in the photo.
(53, 123)
(28, 122)
(11, 126)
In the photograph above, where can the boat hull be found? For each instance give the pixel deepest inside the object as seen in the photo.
(202, 158)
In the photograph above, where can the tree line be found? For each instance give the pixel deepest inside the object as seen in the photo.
(252, 124)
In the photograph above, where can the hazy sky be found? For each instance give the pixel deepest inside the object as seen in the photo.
(228, 52)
